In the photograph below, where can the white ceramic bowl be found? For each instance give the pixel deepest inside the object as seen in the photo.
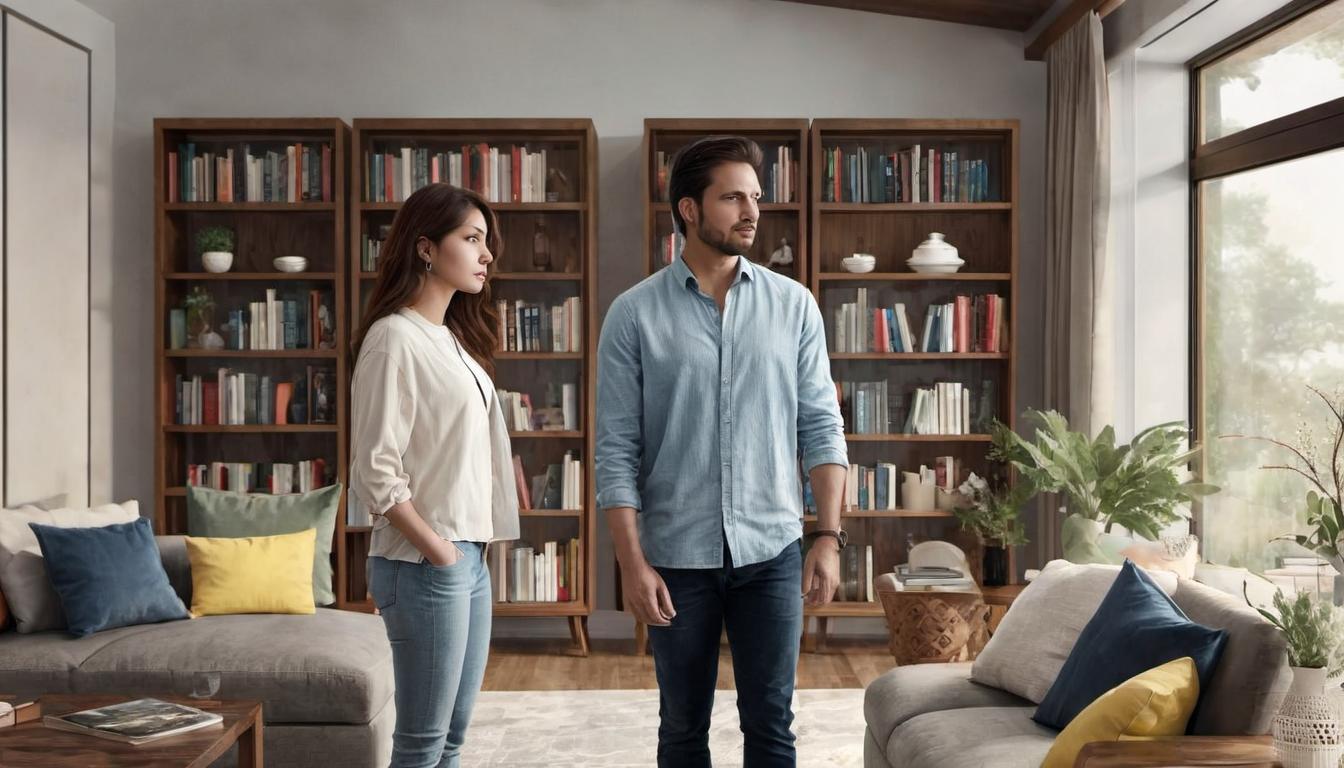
(217, 261)
(290, 263)
(859, 264)
(935, 268)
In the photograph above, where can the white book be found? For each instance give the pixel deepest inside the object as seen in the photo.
(949, 312)
(955, 407)
(571, 406)
(966, 411)
(868, 572)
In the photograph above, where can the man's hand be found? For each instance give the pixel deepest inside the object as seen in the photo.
(646, 595)
(821, 571)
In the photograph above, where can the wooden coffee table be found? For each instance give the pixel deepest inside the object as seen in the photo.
(32, 744)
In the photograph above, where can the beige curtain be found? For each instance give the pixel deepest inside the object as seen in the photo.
(1077, 292)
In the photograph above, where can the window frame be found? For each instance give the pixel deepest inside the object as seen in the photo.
(1309, 131)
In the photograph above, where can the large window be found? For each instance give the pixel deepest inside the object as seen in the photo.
(1268, 172)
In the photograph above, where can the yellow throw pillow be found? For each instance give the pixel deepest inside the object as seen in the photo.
(260, 574)
(1151, 705)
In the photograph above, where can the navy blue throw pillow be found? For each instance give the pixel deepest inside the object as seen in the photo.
(1136, 627)
(108, 576)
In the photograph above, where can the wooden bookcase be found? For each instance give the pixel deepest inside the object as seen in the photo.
(314, 229)
(986, 234)
(571, 226)
(778, 218)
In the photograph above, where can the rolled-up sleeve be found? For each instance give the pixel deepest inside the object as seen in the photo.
(620, 439)
(381, 413)
(821, 431)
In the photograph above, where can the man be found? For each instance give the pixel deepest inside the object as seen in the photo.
(712, 376)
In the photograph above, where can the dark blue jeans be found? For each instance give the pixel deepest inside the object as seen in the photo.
(762, 608)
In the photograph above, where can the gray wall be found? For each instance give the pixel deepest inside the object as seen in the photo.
(616, 61)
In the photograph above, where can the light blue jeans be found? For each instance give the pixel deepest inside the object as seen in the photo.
(438, 622)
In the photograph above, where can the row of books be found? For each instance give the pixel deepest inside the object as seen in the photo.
(501, 175)
(235, 398)
(371, 247)
(865, 406)
(966, 324)
(525, 327)
(942, 409)
(260, 477)
(560, 487)
(778, 176)
(856, 575)
(522, 573)
(560, 414)
(913, 175)
(271, 324)
(290, 174)
(879, 487)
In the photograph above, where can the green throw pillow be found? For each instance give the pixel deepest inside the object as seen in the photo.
(229, 515)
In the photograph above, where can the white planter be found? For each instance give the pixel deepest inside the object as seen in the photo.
(1306, 730)
(217, 261)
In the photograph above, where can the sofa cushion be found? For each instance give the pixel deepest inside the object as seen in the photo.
(1002, 737)
(23, 572)
(225, 514)
(1252, 676)
(108, 576)
(44, 662)
(329, 667)
(1037, 634)
(906, 692)
(1137, 628)
(257, 574)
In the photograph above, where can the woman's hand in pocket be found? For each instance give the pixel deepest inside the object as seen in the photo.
(443, 553)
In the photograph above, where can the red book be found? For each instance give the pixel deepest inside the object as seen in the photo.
(992, 324)
(434, 169)
(283, 392)
(517, 173)
(210, 403)
(880, 343)
(388, 173)
(319, 469)
(524, 495)
(466, 167)
(172, 177)
(483, 178)
(962, 324)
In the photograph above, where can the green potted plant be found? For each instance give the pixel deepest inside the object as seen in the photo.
(992, 514)
(1321, 464)
(214, 244)
(200, 307)
(1306, 729)
(1137, 486)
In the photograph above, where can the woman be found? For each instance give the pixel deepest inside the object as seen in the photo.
(431, 461)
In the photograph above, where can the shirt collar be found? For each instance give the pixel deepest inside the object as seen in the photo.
(745, 271)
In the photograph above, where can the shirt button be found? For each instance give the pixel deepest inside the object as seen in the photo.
(725, 381)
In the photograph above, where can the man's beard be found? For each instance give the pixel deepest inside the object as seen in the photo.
(720, 242)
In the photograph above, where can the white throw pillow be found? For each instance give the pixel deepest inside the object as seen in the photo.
(23, 575)
(1037, 634)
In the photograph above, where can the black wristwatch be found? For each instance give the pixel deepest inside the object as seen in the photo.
(841, 538)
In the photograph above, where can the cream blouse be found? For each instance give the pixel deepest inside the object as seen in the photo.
(426, 426)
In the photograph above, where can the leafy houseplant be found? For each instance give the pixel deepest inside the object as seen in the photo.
(1321, 463)
(992, 513)
(200, 307)
(215, 247)
(1136, 486)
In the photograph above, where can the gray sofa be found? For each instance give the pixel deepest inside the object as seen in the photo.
(935, 716)
(325, 680)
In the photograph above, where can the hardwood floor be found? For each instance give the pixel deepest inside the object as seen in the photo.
(543, 665)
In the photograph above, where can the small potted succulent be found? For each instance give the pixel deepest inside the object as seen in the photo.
(992, 514)
(215, 246)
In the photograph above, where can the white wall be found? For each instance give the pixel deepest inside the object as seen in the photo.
(616, 61)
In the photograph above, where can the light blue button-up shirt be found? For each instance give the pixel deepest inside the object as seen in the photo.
(701, 416)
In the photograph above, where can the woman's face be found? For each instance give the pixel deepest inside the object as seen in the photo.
(460, 257)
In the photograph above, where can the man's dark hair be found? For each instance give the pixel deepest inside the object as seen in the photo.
(694, 163)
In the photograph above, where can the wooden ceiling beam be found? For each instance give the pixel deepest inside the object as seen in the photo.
(1065, 21)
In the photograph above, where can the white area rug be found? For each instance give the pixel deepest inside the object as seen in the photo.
(527, 729)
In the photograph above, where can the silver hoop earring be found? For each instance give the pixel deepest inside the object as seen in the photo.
(429, 266)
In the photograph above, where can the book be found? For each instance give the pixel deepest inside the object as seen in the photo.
(134, 722)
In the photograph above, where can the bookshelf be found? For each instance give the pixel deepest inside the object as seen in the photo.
(982, 222)
(780, 217)
(244, 195)
(567, 215)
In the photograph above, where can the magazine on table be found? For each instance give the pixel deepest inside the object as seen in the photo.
(134, 722)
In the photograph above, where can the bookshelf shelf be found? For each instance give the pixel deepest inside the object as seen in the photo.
(914, 277)
(571, 224)
(661, 207)
(269, 277)
(985, 156)
(314, 229)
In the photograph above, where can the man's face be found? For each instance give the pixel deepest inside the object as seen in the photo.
(726, 218)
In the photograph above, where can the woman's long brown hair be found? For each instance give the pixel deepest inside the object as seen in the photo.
(432, 212)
